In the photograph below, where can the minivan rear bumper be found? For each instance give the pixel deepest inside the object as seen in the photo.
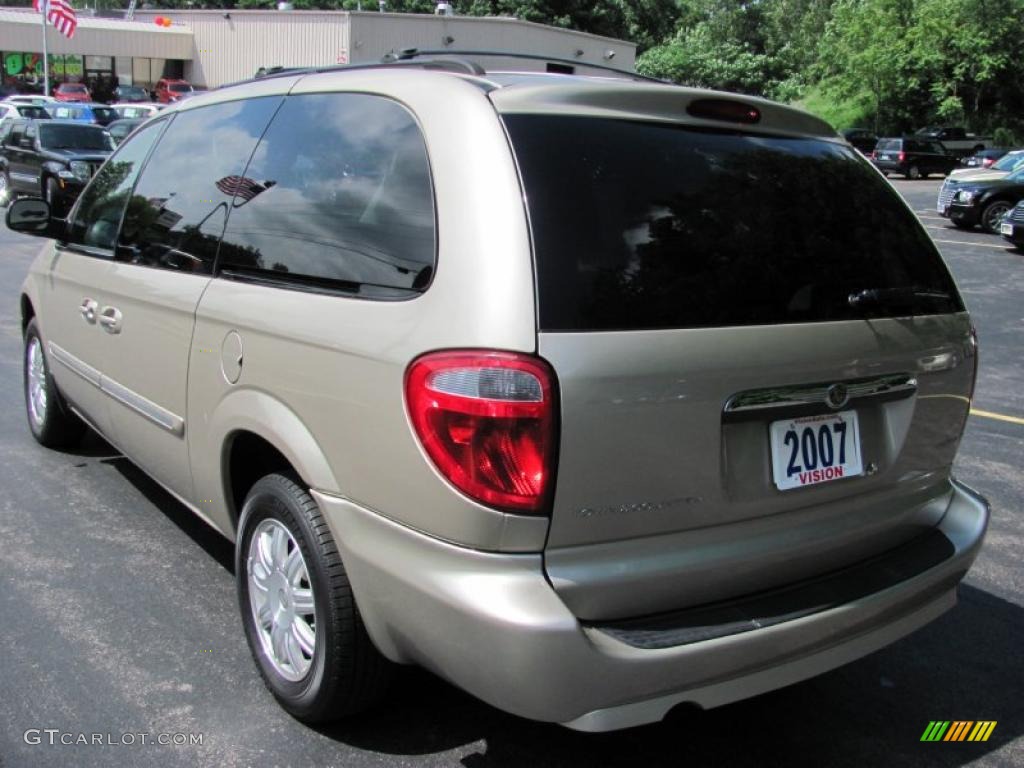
(493, 625)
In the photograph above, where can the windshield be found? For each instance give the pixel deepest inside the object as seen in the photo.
(179, 87)
(1017, 175)
(1008, 162)
(74, 137)
(132, 90)
(643, 226)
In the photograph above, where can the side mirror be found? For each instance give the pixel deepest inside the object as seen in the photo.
(32, 216)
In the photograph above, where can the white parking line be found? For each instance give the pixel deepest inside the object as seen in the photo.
(970, 245)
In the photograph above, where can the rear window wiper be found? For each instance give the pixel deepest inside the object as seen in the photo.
(878, 296)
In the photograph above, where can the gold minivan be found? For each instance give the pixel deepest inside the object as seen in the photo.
(593, 396)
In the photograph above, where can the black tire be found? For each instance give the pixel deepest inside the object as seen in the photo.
(51, 195)
(347, 674)
(992, 215)
(961, 224)
(6, 193)
(58, 427)
(913, 172)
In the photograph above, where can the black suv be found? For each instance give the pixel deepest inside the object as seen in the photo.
(915, 158)
(52, 158)
(985, 202)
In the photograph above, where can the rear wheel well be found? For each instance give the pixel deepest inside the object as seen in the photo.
(250, 457)
(27, 312)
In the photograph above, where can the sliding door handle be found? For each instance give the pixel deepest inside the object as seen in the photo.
(110, 319)
(88, 310)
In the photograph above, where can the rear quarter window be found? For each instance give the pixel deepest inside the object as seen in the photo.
(642, 226)
(338, 196)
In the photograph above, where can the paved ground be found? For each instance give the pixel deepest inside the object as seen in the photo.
(118, 616)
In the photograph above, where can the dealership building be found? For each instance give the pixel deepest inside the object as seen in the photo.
(212, 47)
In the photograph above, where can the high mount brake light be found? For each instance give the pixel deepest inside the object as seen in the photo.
(486, 419)
(724, 109)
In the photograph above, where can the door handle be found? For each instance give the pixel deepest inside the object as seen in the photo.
(110, 319)
(88, 310)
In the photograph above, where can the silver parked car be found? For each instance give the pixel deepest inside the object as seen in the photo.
(593, 396)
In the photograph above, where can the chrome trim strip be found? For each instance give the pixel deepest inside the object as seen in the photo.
(74, 365)
(147, 408)
(892, 387)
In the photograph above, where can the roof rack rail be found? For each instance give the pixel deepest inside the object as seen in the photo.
(408, 54)
(462, 66)
(453, 62)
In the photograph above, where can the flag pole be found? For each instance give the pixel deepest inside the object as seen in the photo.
(46, 53)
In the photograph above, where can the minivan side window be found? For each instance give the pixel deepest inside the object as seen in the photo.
(176, 214)
(95, 220)
(337, 197)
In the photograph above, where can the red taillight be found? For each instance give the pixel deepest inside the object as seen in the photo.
(486, 420)
(902, 156)
(724, 109)
(986, 162)
(874, 155)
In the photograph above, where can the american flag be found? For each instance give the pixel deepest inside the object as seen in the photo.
(60, 14)
(242, 187)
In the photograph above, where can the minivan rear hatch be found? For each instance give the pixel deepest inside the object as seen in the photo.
(764, 365)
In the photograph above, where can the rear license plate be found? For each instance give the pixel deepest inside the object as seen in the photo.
(1006, 228)
(815, 449)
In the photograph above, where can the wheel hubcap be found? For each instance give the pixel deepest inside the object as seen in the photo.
(36, 382)
(281, 599)
(995, 217)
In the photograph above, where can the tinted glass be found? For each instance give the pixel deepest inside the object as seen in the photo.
(104, 114)
(888, 144)
(98, 215)
(1009, 162)
(83, 137)
(177, 212)
(338, 192)
(179, 87)
(640, 225)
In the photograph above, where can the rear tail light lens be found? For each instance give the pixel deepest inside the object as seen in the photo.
(903, 157)
(724, 109)
(487, 421)
(874, 155)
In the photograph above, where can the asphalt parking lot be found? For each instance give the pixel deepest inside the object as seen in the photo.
(119, 616)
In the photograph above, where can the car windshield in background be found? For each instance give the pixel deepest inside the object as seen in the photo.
(1008, 162)
(643, 225)
(179, 87)
(74, 137)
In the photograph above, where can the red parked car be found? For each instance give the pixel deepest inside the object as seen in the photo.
(168, 90)
(72, 92)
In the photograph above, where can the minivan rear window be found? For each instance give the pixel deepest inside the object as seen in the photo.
(894, 144)
(642, 225)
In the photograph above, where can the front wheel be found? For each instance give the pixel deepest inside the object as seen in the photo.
(6, 193)
(51, 421)
(993, 215)
(913, 172)
(299, 614)
(51, 194)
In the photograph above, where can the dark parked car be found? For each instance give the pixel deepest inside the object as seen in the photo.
(913, 157)
(861, 138)
(119, 129)
(985, 202)
(51, 158)
(100, 114)
(1012, 227)
(125, 94)
(986, 158)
